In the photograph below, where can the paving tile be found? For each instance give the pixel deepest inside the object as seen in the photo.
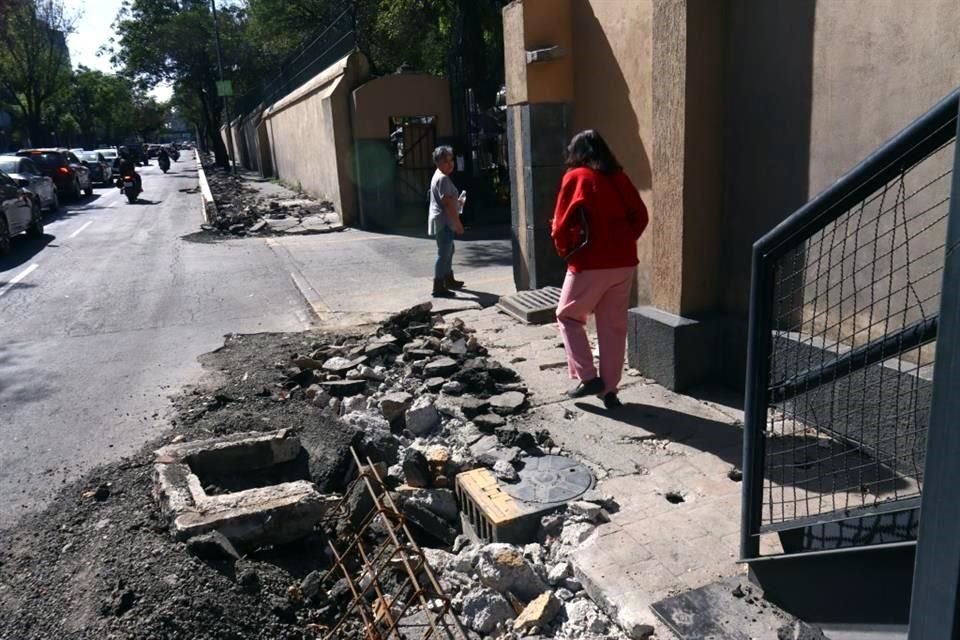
(612, 551)
(717, 518)
(710, 463)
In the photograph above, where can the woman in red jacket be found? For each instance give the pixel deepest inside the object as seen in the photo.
(596, 224)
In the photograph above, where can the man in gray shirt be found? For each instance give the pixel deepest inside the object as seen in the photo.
(444, 221)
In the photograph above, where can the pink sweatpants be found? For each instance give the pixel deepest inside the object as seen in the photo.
(605, 293)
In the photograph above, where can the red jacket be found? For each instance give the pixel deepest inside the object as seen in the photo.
(616, 217)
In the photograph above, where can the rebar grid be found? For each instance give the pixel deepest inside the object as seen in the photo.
(370, 562)
(847, 430)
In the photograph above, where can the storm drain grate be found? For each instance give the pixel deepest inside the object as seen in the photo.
(495, 512)
(538, 306)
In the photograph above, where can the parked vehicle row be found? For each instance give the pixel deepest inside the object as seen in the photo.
(25, 173)
(19, 212)
(69, 174)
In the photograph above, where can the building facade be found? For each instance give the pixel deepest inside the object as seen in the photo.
(728, 115)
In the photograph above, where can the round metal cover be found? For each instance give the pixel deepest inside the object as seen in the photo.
(550, 480)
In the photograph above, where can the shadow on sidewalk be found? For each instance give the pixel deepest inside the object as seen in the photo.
(483, 298)
(796, 458)
(721, 439)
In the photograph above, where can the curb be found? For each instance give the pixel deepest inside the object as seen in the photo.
(208, 206)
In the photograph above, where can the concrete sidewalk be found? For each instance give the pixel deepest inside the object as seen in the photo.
(669, 460)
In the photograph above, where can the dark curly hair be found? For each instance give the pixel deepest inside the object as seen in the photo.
(589, 149)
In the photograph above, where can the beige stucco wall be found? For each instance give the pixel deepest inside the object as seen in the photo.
(612, 87)
(531, 25)
(873, 73)
(310, 134)
(400, 94)
(814, 86)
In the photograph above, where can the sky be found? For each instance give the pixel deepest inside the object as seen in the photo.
(94, 28)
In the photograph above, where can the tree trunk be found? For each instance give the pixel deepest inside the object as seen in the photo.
(213, 133)
(36, 131)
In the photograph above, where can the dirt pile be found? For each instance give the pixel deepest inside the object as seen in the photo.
(419, 397)
(242, 210)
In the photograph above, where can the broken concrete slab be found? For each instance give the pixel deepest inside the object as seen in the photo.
(255, 517)
(440, 367)
(541, 611)
(341, 365)
(422, 417)
(489, 423)
(473, 407)
(416, 470)
(503, 568)
(508, 403)
(485, 609)
(250, 450)
(393, 405)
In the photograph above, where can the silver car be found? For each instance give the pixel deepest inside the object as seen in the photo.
(25, 174)
(19, 212)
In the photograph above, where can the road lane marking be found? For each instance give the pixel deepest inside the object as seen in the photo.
(77, 232)
(20, 276)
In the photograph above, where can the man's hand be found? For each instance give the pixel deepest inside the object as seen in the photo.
(458, 228)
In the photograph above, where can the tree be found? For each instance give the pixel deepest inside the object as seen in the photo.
(437, 36)
(173, 41)
(34, 61)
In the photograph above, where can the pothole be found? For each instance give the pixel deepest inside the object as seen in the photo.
(674, 497)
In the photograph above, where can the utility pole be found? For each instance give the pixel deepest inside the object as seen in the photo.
(226, 103)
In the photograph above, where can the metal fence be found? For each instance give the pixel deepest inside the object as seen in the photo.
(332, 42)
(843, 327)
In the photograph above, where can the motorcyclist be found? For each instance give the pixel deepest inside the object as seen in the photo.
(163, 158)
(128, 168)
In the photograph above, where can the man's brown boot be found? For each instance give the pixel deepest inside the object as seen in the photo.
(452, 283)
(440, 289)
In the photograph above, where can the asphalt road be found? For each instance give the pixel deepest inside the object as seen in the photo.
(103, 319)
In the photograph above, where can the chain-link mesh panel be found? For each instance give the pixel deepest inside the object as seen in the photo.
(851, 360)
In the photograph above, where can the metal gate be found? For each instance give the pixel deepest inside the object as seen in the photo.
(849, 368)
(414, 140)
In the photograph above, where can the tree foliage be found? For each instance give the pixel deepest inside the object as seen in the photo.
(426, 35)
(34, 62)
(173, 41)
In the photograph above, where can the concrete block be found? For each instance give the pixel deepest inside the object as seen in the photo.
(675, 351)
(242, 450)
(251, 518)
(256, 517)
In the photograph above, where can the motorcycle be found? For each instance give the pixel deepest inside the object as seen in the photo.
(130, 188)
(164, 164)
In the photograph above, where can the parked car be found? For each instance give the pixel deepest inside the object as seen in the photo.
(19, 212)
(26, 174)
(68, 173)
(100, 170)
(112, 156)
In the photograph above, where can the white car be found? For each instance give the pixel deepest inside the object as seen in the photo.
(24, 172)
(18, 213)
(112, 156)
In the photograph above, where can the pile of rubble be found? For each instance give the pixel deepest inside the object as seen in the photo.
(242, 210)
(426, 404)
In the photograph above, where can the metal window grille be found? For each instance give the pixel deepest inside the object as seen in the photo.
(844, 307)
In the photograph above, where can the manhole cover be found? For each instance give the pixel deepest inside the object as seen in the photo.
(538, 306)
(550, 480)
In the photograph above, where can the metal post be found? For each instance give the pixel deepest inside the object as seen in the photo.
(936, 580)
(226, 103)
(755, 402)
